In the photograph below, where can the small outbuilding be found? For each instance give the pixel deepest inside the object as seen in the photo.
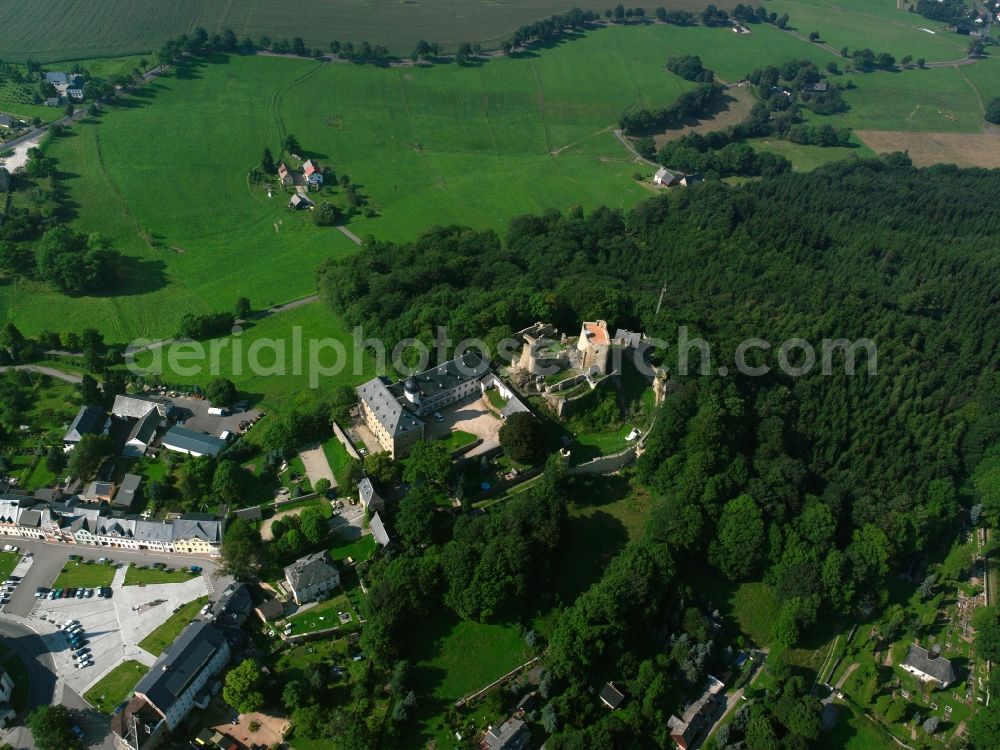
(298, 202)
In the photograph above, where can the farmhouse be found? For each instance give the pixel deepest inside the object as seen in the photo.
(394, 411)
(665, 178)
(929, 666)
(513, 734)
(141, 435)
(174, 685)
(136, 407)
(311, 577)
(699, 715)
(285, 175)
(298, 202)
(191, 443)
(313, 174)
(6, 121)
(90, 420)
(66, 85)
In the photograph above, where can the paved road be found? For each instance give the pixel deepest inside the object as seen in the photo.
(69, 377)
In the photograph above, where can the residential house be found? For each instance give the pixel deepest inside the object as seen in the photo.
(611, 696)
(699, 716)
(298, 202)
(128, 490)
(176, 682)
(378, 530)
(394, 411)
(270, 610)
(690, 179)
(285, 175)
(191, 443)
(370, 499)
(665, 178)
(313, 174)
(142, 434)
(99, 492)
(929, 666)
(90, 420)
(311, 577)
(513, 734)
(6, 121)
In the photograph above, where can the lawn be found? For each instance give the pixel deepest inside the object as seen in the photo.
(157, 641)
(8, 561)
(359, 549)
(458, 439)
(336, 455)
(116, 686)
(324, 616)
(144, 576)
(477, 145)
(84, 575)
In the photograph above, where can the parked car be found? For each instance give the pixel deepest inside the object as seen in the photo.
(78, 732)
(107, 592)
(438, 417)
(9, 548)
(89, 593)
(69, 593)
(100, 593)
(80, 593)
(70, 623)
(195, 568)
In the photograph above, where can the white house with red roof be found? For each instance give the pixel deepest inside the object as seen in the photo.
(313, 174)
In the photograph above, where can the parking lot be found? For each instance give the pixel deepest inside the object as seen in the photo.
(193, 414)
(113, 627)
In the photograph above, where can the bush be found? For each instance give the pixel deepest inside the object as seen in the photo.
(993, 111)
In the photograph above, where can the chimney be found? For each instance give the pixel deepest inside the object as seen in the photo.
(935, 651)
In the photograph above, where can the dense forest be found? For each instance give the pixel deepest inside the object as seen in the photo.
(821, 485)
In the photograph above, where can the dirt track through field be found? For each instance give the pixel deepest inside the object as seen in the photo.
(926, 149)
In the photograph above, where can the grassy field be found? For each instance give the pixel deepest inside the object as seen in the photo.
(115, 686)
(458, 439)
(806, 158)
(358, 549)
(8, 561)
(81, 575)
(875, 24)
(323, 616)
(144, 576)
(167, 633)
(431, 146)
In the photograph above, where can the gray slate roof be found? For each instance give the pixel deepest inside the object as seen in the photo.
(126, 492)
(511, 735)
(310, 570)
(145, 427)
(935, 666)
(189, 440)
(378, 530)
(367, 493)
(138, 406)
(90, 419)
(186, 527)
(182, 662)
(388, 411)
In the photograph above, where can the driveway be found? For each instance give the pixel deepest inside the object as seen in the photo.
(198, 419)
(470, 416)
(316, 464)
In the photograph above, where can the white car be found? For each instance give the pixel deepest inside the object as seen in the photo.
(69, 624)
(9, 548)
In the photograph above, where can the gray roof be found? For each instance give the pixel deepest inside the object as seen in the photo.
(253, 513)
(153, 531)
(196, 442)
(183, 661)
(99, 489)
(90, 419)
(387, 410)
(310, 570)
(611, 695)
(56, 78)
(378, 530)
(930, 664)
(299, 200)
(126, 492)
(511, 735)
(444, 377)
(138, 406)
(367, 493)
(6, 120)
(145, 428)
(187, 527)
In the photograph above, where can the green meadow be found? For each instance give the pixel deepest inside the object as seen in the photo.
(875, 24)
(164, 173)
